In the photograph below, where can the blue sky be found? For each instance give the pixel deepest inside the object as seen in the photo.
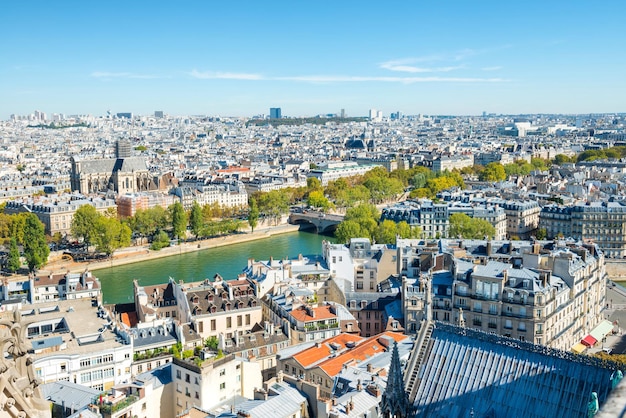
(241, 58)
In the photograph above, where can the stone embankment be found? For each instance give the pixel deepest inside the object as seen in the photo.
(137, 254)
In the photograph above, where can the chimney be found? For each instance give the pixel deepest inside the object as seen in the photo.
(505, 276)
(359, 386)
(369, 367)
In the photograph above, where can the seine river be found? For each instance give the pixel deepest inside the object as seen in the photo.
(228, 261)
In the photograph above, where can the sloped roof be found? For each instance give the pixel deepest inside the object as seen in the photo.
(467, 370)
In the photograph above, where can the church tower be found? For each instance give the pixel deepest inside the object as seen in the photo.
(395, 401)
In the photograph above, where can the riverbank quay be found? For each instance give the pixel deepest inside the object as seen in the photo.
(137, 254)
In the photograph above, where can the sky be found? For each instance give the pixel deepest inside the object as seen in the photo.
(239, 58)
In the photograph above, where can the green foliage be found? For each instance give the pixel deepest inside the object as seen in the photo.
(380, 185)
(274, 203)
(148, 222)
(179, 219)
(196, 220)
(540, 163)
(318, 200)
(608, 153)
(161, 240)
(253, 213)
(541, 234)
(17, 226)
(177, 349)
(111, 235)
(187, 354)
(561, 159)
(359, 222)
(85, 223)
(13, 261)
(313, 183)
(36, 248)
(493, 172)
(347, 230)
(211, 343)
(219, 355)
(141, 148)
(462, 226)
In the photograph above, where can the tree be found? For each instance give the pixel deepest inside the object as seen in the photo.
(561, 159)
(17, 225)
(196, 220)
(274, 203)
(461, 225)
(161, 240)
(253, 213)
(111, 235)
(313, 183)
(386, 232)
(36, 248)
(318, 200)
(13, 262)
(347, 230)
(179, 219)
(541, 233)
(84, 223)
(493, 172)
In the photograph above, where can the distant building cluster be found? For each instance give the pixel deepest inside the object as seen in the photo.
(435, 326)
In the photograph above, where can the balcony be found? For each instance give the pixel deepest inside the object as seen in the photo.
(485, 297)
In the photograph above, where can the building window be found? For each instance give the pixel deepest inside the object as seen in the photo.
(213, 325)
(239, 320)
(247, 319)
(222, 385)
(229, 322)
(359, 285)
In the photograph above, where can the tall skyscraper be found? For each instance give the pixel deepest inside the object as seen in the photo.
(275, 113)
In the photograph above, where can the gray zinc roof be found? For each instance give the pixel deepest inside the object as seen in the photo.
(468, 370)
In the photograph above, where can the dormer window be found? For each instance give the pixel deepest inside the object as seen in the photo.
(227, 306)
(253, 303)
(239, 305)
(210, 297)
(195, 299)
(213, 309)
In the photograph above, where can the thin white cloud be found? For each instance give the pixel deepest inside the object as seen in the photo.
(404, 80)
(111, 75)
(402, 66)
(210, 75)
(324, 79)
(494, 68)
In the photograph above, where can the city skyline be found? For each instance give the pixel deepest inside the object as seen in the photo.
(240, 59)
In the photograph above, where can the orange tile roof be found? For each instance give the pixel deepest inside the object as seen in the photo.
(361, 352)
(129, 318)
(322, 350)
(321, 312)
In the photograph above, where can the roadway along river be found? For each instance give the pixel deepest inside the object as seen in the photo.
(228, 261)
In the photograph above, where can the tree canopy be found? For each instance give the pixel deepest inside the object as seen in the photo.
(463, 226)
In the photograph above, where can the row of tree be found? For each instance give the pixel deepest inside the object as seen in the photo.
(27, 231)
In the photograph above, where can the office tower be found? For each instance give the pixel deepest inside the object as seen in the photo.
(275, 113)
(343, 113)
(158, 114)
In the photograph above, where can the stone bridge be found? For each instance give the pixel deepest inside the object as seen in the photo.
(322, 222)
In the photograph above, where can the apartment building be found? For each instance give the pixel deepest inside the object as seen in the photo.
(603, 223)
(75, 341)
(57, 213)
(218, 307)
(551, 294)
(206, 381)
